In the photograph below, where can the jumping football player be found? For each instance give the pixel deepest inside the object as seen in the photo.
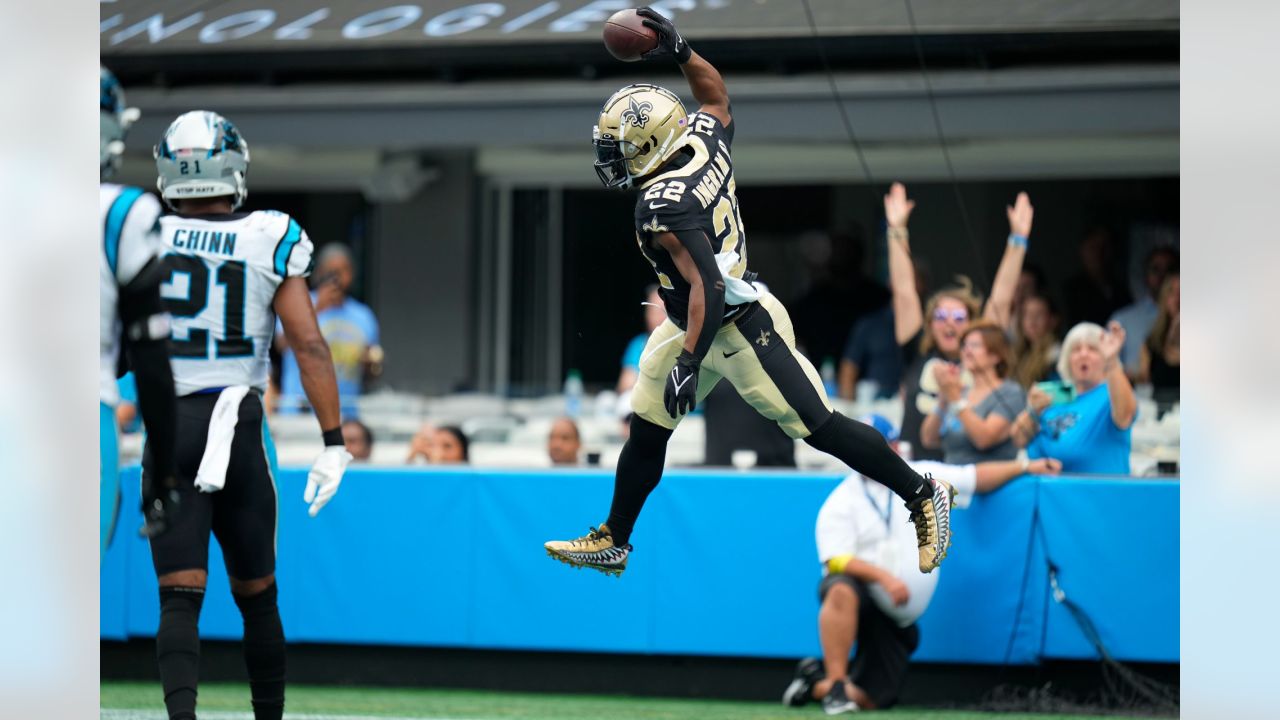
(230, 274)
(719, 324)
(135, 326)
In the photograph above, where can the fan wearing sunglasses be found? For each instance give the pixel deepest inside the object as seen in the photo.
(935, 330)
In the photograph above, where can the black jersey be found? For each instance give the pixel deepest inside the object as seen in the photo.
(698, 195)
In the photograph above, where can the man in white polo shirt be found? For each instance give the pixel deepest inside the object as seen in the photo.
(872, 590)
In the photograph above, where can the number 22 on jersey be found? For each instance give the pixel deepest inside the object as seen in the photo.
(726, 219)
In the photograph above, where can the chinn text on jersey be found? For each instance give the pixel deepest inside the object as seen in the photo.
(205, 241)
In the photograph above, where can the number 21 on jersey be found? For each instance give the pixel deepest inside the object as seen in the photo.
(202, 277)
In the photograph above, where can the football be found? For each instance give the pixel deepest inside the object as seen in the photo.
(626, 37)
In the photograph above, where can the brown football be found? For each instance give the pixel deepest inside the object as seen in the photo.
(626, 37)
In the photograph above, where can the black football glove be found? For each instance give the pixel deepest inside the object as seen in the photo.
(669, 40)
(681, 394)
(158, 510)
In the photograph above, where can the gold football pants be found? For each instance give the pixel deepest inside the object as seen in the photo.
(757, 354)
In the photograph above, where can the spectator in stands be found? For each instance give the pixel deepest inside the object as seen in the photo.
(872, 591)
(1089, 423)
(974, 424)
(359, 440)
(838, 294)
(949, 311)
(654, 313)
(564, 443)
(348, 325)
(1097, 291)
(1035, 342)
(421, 446)
(450, 446)
(433, 445)
(1160, 356)
(1031, 283)
(1139, 317)
(871, 353)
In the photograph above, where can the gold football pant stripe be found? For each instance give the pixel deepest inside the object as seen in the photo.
(757, 355)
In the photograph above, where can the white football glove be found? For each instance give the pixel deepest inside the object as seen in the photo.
(325, 476)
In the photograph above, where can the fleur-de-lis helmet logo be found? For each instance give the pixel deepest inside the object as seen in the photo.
(636, 113)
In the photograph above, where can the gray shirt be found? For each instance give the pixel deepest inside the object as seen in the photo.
(1007, 401)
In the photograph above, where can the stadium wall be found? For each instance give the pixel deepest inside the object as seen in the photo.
(725, 566)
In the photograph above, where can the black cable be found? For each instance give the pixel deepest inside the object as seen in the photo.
(951, 173)
(1117, 676)
(937, 125)
(835, 93)
(942, 141)
(1026, 577)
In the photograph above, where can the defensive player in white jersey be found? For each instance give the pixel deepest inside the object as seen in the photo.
(134, 326)
(231, 273)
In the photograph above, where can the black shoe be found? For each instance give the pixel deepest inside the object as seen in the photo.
(837, 701)
(800, 691)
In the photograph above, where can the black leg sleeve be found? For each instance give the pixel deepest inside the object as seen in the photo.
(146, 346)
(859, 446)
(264, 652)
(178, 649)
(156, 403)
(639, 470)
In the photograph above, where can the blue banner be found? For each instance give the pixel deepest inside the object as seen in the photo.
(725, 564)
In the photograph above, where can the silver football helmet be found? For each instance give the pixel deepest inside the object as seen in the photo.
(202, 155)
(115, 122)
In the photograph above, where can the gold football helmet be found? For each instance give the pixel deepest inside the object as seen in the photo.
(639, 129)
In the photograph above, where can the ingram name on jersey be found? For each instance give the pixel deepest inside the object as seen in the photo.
(225, 270)
(130, 219)
(698, 195)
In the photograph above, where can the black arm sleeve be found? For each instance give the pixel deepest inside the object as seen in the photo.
(695, 241)
(149, 360)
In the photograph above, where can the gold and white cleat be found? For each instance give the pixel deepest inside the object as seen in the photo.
(594, 550)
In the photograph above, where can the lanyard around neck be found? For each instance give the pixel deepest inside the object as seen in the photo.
(884, 513)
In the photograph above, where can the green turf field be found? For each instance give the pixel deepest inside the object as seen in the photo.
(142, 701)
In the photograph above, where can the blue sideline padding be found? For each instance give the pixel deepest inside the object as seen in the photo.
(725, 564)
(1116, 547)
(979, 612)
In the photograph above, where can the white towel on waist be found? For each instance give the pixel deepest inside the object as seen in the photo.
(736, 290)
(212, 474)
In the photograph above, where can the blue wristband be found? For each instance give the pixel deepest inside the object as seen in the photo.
(1018, 240)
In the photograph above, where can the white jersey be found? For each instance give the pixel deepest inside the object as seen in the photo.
(224, 272)
(865, 519)
(130, 240)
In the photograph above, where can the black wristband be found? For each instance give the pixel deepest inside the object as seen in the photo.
(333, 437)
(687, 358)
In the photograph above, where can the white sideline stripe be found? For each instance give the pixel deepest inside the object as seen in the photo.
(120, 714)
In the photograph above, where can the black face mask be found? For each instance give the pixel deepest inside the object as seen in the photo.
(610, 165)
